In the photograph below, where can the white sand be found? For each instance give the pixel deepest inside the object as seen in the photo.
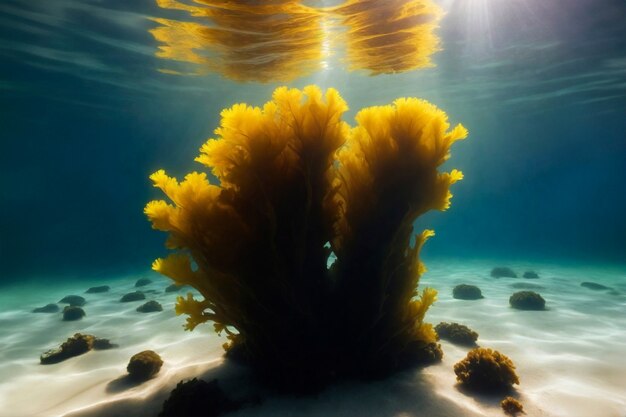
(570, 358)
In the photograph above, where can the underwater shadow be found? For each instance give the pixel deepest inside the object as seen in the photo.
(490, 398)
(409, 393)
(151, 404)
(122, 383)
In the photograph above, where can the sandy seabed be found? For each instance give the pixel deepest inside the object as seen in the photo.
(570, 358)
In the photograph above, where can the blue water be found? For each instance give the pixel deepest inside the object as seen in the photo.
(85, 117)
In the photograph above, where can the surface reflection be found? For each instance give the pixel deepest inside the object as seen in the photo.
(284, 40)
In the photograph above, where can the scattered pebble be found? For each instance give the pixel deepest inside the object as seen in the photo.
(133, 296)
(73, 300)
(142, 282)
(101, 288)
(503, 272)
(173, 288)
(594, 286)
(150, 307)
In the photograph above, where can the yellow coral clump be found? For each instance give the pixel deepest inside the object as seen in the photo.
(486, 369)
(294, 183)
(511, 406)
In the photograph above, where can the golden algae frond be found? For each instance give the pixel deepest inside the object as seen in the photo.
(243, 40)
(487, 370)
(284, 40)
(389, 36)
(294, 177)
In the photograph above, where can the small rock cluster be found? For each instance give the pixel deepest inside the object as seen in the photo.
(456, 333)
(74, 346)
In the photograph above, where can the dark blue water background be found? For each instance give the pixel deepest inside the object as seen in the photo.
(85, 118)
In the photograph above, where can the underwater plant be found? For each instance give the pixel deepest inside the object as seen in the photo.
(73, 346)
(486, 370)
(294, 184)
(511, 406)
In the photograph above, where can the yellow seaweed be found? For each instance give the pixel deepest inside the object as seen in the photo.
(294, 181)
(486, 369)
(511, 406)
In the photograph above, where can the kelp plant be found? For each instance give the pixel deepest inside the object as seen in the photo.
(295, 182)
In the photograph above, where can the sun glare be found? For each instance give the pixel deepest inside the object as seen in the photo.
(483, 22)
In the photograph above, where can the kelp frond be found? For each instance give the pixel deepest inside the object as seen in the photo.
(296, 182)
